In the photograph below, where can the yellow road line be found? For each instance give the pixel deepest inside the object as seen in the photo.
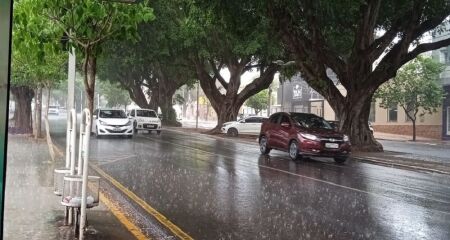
(161, 218)
(129, 225)
(135, 230)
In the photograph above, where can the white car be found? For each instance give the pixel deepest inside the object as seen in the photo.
(145, 119)
(53, 110)
(249, 125)
(111, 122)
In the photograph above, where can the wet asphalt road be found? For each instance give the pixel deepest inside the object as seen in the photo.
(220, 189)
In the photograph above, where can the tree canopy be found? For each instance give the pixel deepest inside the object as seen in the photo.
(230, 35)
(363, 42)
(154, 67)
(259, 101)
(89, 23)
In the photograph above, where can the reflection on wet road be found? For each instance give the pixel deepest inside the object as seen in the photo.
(219, 189)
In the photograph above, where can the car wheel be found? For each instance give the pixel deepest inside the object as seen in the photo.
(134, 128)
(293, 151)
(232, 132)
(340, 159)
(263, 145)
(129, 136)
(158, 132)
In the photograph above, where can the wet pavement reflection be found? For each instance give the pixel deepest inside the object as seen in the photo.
(220, 189)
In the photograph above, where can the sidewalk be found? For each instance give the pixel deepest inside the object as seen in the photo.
(408, 138)
(32, 211)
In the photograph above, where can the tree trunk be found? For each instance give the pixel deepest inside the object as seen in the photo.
(354, 117)
(169, 114)
(89, 69)
(414, 130)
(38, 113)
(23, 117)
(227, 113)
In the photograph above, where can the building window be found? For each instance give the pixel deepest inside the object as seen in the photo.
(392, 114)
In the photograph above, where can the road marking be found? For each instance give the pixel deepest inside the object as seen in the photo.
(135, 230)
(114, 160)
(152, 211)
(115, 211)
(298, 175)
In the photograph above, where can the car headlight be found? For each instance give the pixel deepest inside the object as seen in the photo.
(309, 136)
(346, 138)
(101, 122)
(128, 123)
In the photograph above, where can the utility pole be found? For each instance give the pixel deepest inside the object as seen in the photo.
(196, 115)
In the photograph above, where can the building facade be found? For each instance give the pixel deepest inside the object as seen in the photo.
(443, 56)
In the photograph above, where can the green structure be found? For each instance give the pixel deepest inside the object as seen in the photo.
(5, 32)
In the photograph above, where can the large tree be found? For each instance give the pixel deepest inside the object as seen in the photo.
(154, 67)
(416, 89)
(89, 23)
(229, 36)
(363, 42)
(37, 62)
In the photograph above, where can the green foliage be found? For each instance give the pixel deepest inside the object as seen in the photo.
(415, 88)
(178, 99)
(114, 94)
(157, 56)
(88, 23)
(259, 101)
(223, 30)
(37, 59)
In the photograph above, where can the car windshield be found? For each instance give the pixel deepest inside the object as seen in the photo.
(311, 121)
(112, 114)
(146, 113)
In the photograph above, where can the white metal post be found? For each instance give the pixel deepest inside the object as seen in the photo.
(73, 137)
(70, 99)
(86, 117)
(81, 145)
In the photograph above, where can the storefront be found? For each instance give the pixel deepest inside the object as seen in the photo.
(296, 96)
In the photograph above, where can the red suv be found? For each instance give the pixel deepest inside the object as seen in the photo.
(303, 134)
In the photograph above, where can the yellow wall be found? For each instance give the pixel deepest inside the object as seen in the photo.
(381, 117)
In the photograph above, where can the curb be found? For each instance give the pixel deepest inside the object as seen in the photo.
(381, 161)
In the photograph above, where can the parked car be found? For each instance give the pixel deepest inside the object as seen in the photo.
(53, 110)
(249, 125)
(370, 127)
(145, 119)
(303, 134)
(111, 122)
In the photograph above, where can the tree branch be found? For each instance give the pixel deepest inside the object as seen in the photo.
(217, 73)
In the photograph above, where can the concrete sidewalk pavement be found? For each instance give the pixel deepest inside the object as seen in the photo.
(408, 138)
(32, 211)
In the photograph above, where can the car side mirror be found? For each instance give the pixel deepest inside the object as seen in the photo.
(285, 125)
